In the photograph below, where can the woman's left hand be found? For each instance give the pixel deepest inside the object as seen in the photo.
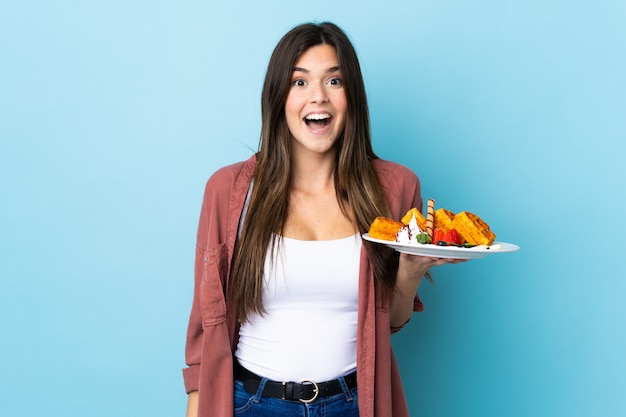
(415, 266)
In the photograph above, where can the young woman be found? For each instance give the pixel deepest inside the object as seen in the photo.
(292, 312)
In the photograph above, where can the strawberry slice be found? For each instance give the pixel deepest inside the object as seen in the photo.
(437, 235)
(452, 236)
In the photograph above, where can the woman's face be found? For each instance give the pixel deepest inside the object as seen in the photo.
(316, 105)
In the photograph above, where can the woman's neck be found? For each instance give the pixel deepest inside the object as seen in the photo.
(314, 211)
(314, 174)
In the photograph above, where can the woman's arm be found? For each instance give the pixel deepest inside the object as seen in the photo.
(192, 404)
(411, 270)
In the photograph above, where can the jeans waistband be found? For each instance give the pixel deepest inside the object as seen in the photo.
(304, 391)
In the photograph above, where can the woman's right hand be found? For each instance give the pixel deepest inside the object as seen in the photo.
(192, 404)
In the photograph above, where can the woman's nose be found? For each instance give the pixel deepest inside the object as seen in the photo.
(318, 93)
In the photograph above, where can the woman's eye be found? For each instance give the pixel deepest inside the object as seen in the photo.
(298, 82)
(335, 81)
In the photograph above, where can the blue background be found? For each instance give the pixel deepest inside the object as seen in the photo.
(114, 113)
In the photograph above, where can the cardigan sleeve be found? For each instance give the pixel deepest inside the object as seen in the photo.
(193, 346)
(403, 192)
(209, 321)
(208, 303)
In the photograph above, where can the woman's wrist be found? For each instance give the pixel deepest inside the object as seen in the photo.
(408, 280)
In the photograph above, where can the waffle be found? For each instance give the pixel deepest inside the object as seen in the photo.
(473, 229)
(384, 228)
(443, 219)
(419, 217)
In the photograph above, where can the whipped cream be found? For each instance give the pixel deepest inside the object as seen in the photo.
(408, 233)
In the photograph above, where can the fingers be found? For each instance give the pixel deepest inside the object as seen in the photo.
(443, 261)
(429, 261)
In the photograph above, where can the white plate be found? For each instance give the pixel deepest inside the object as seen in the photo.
(452, 252)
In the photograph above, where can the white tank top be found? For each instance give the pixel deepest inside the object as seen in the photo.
(311, 298)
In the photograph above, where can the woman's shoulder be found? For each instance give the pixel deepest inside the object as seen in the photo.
(393, 171)
(227, 175)
(400, 184)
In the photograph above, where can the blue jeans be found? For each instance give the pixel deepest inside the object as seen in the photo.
(344, 404)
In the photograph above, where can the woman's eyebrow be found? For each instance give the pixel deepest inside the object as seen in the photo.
(306, 71)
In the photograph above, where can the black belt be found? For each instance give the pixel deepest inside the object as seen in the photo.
(305, 391)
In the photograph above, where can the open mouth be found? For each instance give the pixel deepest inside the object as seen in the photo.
(318, 120)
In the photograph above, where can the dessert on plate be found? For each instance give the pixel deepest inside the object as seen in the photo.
(441, 227)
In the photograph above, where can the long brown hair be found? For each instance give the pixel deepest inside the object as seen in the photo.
(356, 182)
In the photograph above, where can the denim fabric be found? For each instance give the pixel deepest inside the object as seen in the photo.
(254, 405)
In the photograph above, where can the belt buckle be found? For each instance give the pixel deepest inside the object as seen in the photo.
(316, 391)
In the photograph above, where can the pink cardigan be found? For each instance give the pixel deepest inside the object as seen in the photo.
(212, 333)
